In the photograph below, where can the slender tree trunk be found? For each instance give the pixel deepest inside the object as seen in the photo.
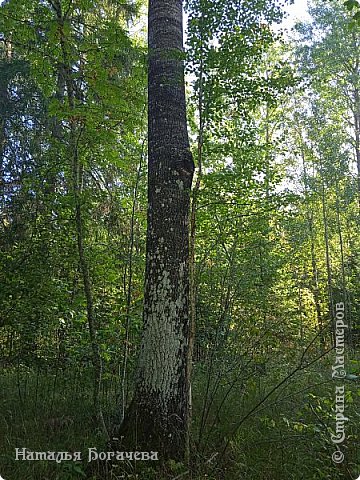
(194, 204)
(3, 103)
(5, 59)
(316, 289)
(328, 263)
(356, 109)
(158, 416)
(314, 267)
(77, 175)
(128, 285)
(343, 272)
(357, 137)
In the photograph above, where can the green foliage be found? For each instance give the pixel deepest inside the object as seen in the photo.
(353, 5)
(277, 237)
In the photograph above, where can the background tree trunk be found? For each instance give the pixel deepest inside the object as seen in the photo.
(158, 416)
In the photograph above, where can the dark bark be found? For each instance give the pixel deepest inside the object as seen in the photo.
(157, 419)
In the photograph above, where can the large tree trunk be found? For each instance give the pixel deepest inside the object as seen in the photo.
(158, 416)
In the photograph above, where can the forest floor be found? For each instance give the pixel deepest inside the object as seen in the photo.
(287, 438)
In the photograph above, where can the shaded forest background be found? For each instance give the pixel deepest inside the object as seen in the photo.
(275, 133)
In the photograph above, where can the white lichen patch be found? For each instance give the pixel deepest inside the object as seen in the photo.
(163, 340)
(180, 184)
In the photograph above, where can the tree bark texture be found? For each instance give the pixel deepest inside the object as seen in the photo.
(157, 420)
